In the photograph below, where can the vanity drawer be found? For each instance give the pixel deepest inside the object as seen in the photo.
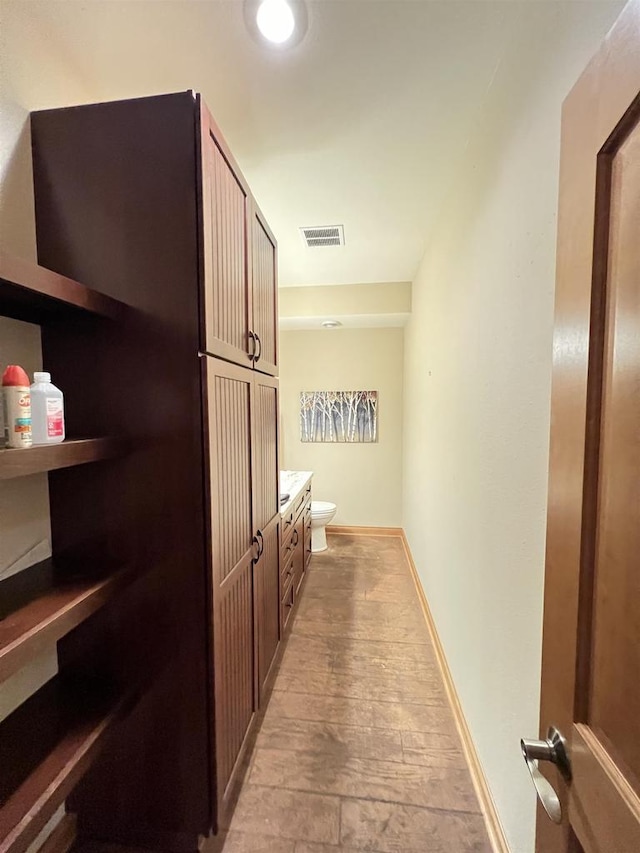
(300, 501)
(307, 542)
(286, 526)
(286, 607)
(287, 565)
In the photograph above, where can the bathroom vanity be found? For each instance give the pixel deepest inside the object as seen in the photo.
(295, 537)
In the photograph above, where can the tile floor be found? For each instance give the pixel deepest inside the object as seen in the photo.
(358, 750)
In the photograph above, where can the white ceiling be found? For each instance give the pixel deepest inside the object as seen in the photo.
(361, 124)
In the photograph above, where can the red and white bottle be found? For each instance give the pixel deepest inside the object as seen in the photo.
(47, 410)
(16, 396)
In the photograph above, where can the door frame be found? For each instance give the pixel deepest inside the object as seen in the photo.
(598, 102)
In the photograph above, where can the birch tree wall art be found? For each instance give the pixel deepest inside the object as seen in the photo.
(348, 416)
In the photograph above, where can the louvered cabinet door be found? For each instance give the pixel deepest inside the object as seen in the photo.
(266, 491)
(225, 221)
(267, 600)
(264, 292)
(232, 551)
(266, 503)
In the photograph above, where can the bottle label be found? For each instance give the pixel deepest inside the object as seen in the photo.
(17, 416)
(55, 422)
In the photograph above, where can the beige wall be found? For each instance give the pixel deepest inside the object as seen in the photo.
(477, 386)
(24, 503)
(364, 480)
(327, 300)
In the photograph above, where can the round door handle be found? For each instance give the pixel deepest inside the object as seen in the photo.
(297, 538)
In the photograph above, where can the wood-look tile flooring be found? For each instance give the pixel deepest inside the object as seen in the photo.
(358, 749)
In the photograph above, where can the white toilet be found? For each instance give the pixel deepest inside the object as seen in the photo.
(321, 514)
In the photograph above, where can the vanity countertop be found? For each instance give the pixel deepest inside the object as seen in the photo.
(292, 483)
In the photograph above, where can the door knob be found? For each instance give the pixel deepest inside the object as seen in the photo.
(553, 749)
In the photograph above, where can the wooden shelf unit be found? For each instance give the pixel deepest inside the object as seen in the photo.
(61, 729)
(49, 742)
(41, 604)
(35, 294)
(49, 457)
(143, 200)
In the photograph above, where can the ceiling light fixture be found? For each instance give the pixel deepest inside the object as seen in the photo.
(276, 21)
(278, 25)
(330, 324)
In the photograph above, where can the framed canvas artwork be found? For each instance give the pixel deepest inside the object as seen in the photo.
(339, 416)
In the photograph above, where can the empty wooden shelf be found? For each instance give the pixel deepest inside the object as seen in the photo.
(35, 294)
(48, 457)
(47, 745)
(41, 604)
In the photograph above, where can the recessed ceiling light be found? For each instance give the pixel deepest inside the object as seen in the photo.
(277, 25)
(275, 20)
(330, 324)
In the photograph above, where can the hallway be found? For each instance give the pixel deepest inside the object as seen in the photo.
(358, 749)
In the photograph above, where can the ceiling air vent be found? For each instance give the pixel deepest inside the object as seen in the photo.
(323, 235)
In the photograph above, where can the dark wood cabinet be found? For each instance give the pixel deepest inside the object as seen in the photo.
(264, 294)
(267, 602)
(143, 201)
(242, 479)
(239, 272)
(229, 482)
(266, 515)
(225, 215)
(266, 492)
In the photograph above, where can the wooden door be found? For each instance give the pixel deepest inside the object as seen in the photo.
(225, 213)
(232, 552)
(591, 649)
(264, 292)
(266, 573)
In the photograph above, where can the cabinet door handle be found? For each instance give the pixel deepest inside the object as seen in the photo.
(252, 337)
(256, 543)
(261, 543)
(258, 356)
(295, 541)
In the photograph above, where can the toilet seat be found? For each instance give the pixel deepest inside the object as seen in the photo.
(319, 508)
